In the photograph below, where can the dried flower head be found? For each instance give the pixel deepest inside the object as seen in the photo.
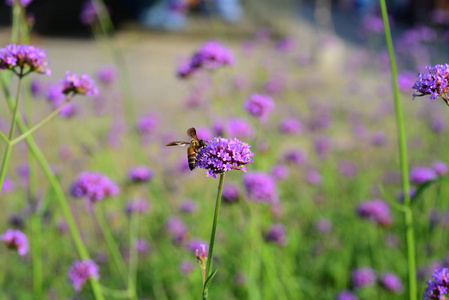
(221, 155)
(81, 271)
(434, 82)
(83, 84)
(23, 59)
(15, 239)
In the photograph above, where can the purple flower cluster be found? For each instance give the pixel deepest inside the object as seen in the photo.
(290, 126)
(376, 211)
(346, 295)
(391, 282)
(56, 98)
(7, 186)
(83, 84)
(15, 239)
(363, 277)
(438, 285)
(435, 82)
(259, 106)
(230, 193)
(88, 15)
(107, 75)
(146, 124)
(261, 187)
(276, 234)
(221, 155)
(140, 174)
(137, 205)
(81, 271)
(26, 58)
(239, 128)
(93, 186)
(210, 56)
(440, 168)
(177, 229)
(420, 175)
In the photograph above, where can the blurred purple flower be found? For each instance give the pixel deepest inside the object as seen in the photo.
(239, 128)
(295, 157)
(28, 58)
(420, 175)
(230, 193)
(347, 168)
(186, 266)
(285, 44)
(274, 85)
(313, 177)
(187, 206)
(435, 82)
(259, 106)
(56, 98)
(372, 24)
(142, 245)
(400, 195)
(440, 168)
(146, 124)
(346, 295)
(177, 229)
(290, 126)
(195, 244)
(82, 84)
(137, 205)
(323, 225)
(376, 211)
(81, 271)
(93, 186)
(260, 187)
(363, 277)
(23, 3)
(280, 172)
(15, 239)
(391, 282)
(379, 138)
(140, 174)
(36, 88)
(7, 186)
(438, 123)
(107, 74)
(204, 133)
(221, 155)
(276, 234)
(406, 80)
(438, 285)
(322, 146)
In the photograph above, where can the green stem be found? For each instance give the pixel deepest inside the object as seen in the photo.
(214, 230)
(58, 191)
(4, 137)
(408, 214)
(11, 134)
(110, 242)
(115, 293)
(40, 124)
(16, 10)
(133, 255)
(36, 254)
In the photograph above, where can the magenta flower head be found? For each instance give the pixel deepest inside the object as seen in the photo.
(137, 205)
(107, 75)
(346, 295)
(23, 3)
(81, 271)
(56, 98)
(259, 106)
(146, 124)
(376, 211)
(420, 175)
(88, 15)
(93, 186)
(221, 155)
(434, 82)
(261, 187)
(276, 234)
(239, 128)
(177, 229)
(15, 239)
(83, 84)
(438, 285)
(230, 193)
(142, 245)
(440, 168)
(7, 186)
(140, 174)
(201, 254)
(290, 126)
(363, 277)
(391, 282)
(23, 59)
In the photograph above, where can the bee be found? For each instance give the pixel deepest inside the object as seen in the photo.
(195, 145)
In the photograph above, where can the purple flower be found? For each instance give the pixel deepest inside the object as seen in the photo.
(372, 24)
(146, 124)
(313, 177)
(276, 234)
(7, 186)
(259, 106)
(25, 57)
(88, 15)
(15, 239)
(177, 229)
(23, 3)
(260, 187)
(347, 168)
(142, 246)
(210, 56)
(379, 138)
(400, 194)
(221, 155)
(391, 282)
(323, 225)
(376, 211)
(56, 98)
(280, 172)
(81, 271)
(204, 133)
(274, 85)
(290, 126)
(295, 157)
(93, 186)
(140, 174)
(406, 80)
(187, 206)
(186, 266)
(239, 128)
(285, 44)
(440, 168)
(346, 295)
(36, 87)
(322, 146)
(438, 285)
(230, 193)
(434, 82)
(363, 277)
(194, 244)
(420, 175)
(83, 84)
(438, 124)
(137, 205)
(107, 75)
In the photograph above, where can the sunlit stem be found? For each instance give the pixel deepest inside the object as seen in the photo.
(214, 229)
(408, 214)
(58, 191)
(9, 146)
(133, 255)
(4, 137)
(41, 123)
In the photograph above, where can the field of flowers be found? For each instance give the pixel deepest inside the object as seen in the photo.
(305, 156)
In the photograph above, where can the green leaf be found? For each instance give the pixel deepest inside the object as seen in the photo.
(209, 280)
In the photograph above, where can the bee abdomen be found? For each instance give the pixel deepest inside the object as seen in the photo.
(192, 160)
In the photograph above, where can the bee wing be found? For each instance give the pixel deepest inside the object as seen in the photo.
(192, 133)
(178, 143)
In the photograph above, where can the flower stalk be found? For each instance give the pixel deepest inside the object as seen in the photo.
(408, 214)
